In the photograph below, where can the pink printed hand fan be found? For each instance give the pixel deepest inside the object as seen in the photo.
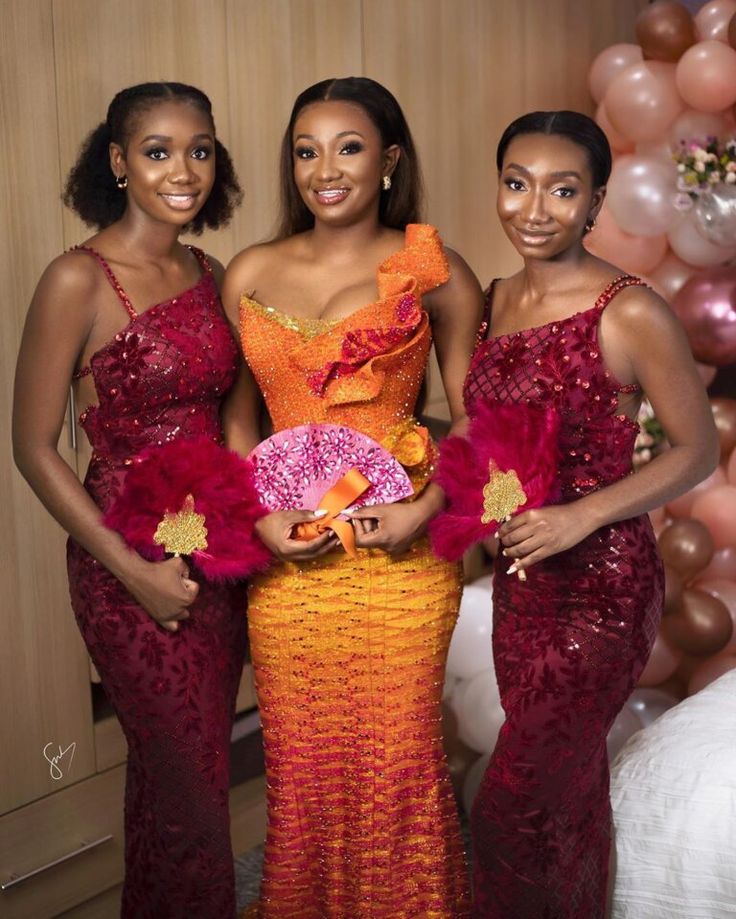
(506, 464)
(296, 467)
(193, 498)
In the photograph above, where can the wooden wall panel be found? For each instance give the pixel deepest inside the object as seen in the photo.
(43, 667)
(277, 49)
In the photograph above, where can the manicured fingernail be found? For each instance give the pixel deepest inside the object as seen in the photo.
(349, 510)
(320, 513)
(521, 574)
(511, 569)
(504, 552)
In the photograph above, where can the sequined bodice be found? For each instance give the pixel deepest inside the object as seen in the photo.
(560, 364)
(364, 371)
(162, 377)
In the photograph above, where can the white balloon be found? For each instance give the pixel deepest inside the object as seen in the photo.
(479, 712)
(473, 779)
(626, 725)
(451, 684)
(641, 194)
(691, 246)
(648, 703)
(470, 648)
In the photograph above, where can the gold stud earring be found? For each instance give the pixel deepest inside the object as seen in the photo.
(589, 224)
(121, 182)
(386, 183)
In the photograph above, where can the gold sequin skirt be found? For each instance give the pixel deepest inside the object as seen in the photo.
(349, 659)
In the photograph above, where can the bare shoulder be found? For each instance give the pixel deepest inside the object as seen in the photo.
(71, 278)
(248, 265)
(218, 269)
(638, 310)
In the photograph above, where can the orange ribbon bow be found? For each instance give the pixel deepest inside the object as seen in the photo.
(342, 494)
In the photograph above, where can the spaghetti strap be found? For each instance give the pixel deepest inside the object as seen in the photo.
(116, 285)
(616, 286)
(201, 258)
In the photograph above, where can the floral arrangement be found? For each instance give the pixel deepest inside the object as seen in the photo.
(701, 165)
(650, 440)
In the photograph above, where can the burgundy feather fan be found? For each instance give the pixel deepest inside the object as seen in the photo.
(516, 436)
(223, 487)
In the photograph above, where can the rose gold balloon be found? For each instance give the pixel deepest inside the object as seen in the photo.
(725, 591)
(706, 306)
(711, 20)
(665, 30)
(706, 77)
(611, 61)
(731, 468)
(716, 509)
(641, 194)
(691, 246)
(681, 507)
(687, 546)
(662, 663)
(724, 415)
(695, 125)
(635, 254)
(722, 566)
(702, 624)
(642, 101)
(673, 589)
(619, 143)
(709, 671)
(671, 274)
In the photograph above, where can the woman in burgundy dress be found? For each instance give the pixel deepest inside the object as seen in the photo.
(572, 332)
(134, 318)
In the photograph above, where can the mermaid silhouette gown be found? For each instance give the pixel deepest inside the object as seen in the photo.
(568, 644)
(162, 377)
(349, 655)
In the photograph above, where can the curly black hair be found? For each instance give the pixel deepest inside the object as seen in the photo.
(90, 188)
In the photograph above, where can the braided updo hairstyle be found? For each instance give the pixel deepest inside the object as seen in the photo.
(90, 188)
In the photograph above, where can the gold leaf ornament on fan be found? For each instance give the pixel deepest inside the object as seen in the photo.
(182, 532)
(502, 495)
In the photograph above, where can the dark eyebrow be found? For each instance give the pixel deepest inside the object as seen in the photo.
(341, 134)
(163, 138)
(562, 174)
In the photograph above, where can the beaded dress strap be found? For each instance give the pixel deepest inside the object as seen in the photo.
(618, 284)
(201, 258)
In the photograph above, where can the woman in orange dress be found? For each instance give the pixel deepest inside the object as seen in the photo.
(349, 654)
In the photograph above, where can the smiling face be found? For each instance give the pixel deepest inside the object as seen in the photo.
(169, 160)
(339, 162)
(546, 195)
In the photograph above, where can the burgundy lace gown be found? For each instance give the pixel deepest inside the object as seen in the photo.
(568, 644)
(162, 378)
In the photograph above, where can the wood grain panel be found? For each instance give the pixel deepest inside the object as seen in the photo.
(277, 48)
(43, 669)
(101, 47)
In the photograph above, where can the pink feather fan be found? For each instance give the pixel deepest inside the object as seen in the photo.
(221, 483)
(500, 437)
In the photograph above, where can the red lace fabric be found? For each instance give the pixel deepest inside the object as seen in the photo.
(568, 644)
(162, 377)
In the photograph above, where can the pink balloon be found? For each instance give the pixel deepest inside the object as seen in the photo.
(722, 566)
(694, 125)
(709, 671)
(635, 254)
(711, 20)
(706, 372)
(662, 663)
(681, 507)
(706, 306)
(717, 510)
(619, 143)
(610, 62)
(671, 274)
(640, 195)
(642, 101)
(731, 467)
(692, 247)
(658, 149)
(725, 591)
(706, 77)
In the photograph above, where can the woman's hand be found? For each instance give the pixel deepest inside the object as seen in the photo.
(276, 531)
(537, 534)
(165, 590)
(391, 527)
